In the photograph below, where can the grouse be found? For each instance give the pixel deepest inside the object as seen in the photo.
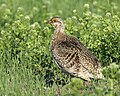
(71, 55)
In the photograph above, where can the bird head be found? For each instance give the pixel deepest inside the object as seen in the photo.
(55, 22)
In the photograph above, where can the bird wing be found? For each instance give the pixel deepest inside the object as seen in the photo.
(73, 57)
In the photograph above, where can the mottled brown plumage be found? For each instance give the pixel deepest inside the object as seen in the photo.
(71, 55)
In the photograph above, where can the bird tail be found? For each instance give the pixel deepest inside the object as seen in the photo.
(99, 74)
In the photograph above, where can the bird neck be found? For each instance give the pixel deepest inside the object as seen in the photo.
(59, 28)
(58, 33)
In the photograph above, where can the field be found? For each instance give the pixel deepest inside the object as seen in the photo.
(26, 64)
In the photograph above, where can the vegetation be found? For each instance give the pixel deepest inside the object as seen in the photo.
(26, 65)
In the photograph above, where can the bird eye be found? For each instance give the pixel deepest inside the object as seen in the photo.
(54, 20)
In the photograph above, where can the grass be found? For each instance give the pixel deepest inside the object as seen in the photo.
(26, 65)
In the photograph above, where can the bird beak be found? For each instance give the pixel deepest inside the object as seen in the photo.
(49, 22)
